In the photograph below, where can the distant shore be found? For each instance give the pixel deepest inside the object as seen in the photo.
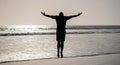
(53, 33)
(16, 30)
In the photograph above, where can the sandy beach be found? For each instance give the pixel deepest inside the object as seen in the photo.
(111, 59)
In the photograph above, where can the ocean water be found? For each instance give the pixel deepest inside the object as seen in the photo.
(21, 42)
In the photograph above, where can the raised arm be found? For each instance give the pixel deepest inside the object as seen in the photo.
(74, 15)
(51, 16)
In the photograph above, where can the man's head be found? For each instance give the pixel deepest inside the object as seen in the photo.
(61, 14)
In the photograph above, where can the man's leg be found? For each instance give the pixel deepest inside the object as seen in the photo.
(58, 47)
(62, 47)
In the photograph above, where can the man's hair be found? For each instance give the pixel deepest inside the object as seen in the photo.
(61, 14)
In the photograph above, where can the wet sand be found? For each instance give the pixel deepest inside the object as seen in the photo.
(111, 59)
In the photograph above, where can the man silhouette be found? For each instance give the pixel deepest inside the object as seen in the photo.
(61, 30)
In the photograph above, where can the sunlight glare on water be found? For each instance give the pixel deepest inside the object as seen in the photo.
(103, 40)
(29, 28)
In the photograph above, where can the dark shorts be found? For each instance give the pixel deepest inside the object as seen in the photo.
(60, 36)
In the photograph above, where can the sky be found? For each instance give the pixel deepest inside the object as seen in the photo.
(27, 12)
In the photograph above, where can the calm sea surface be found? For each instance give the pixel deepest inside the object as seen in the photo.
(21, 42)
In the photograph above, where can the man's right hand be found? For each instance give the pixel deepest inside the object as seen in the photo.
(79, 13)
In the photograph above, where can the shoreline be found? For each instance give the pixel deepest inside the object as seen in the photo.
(109, 59)
(63, 57)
